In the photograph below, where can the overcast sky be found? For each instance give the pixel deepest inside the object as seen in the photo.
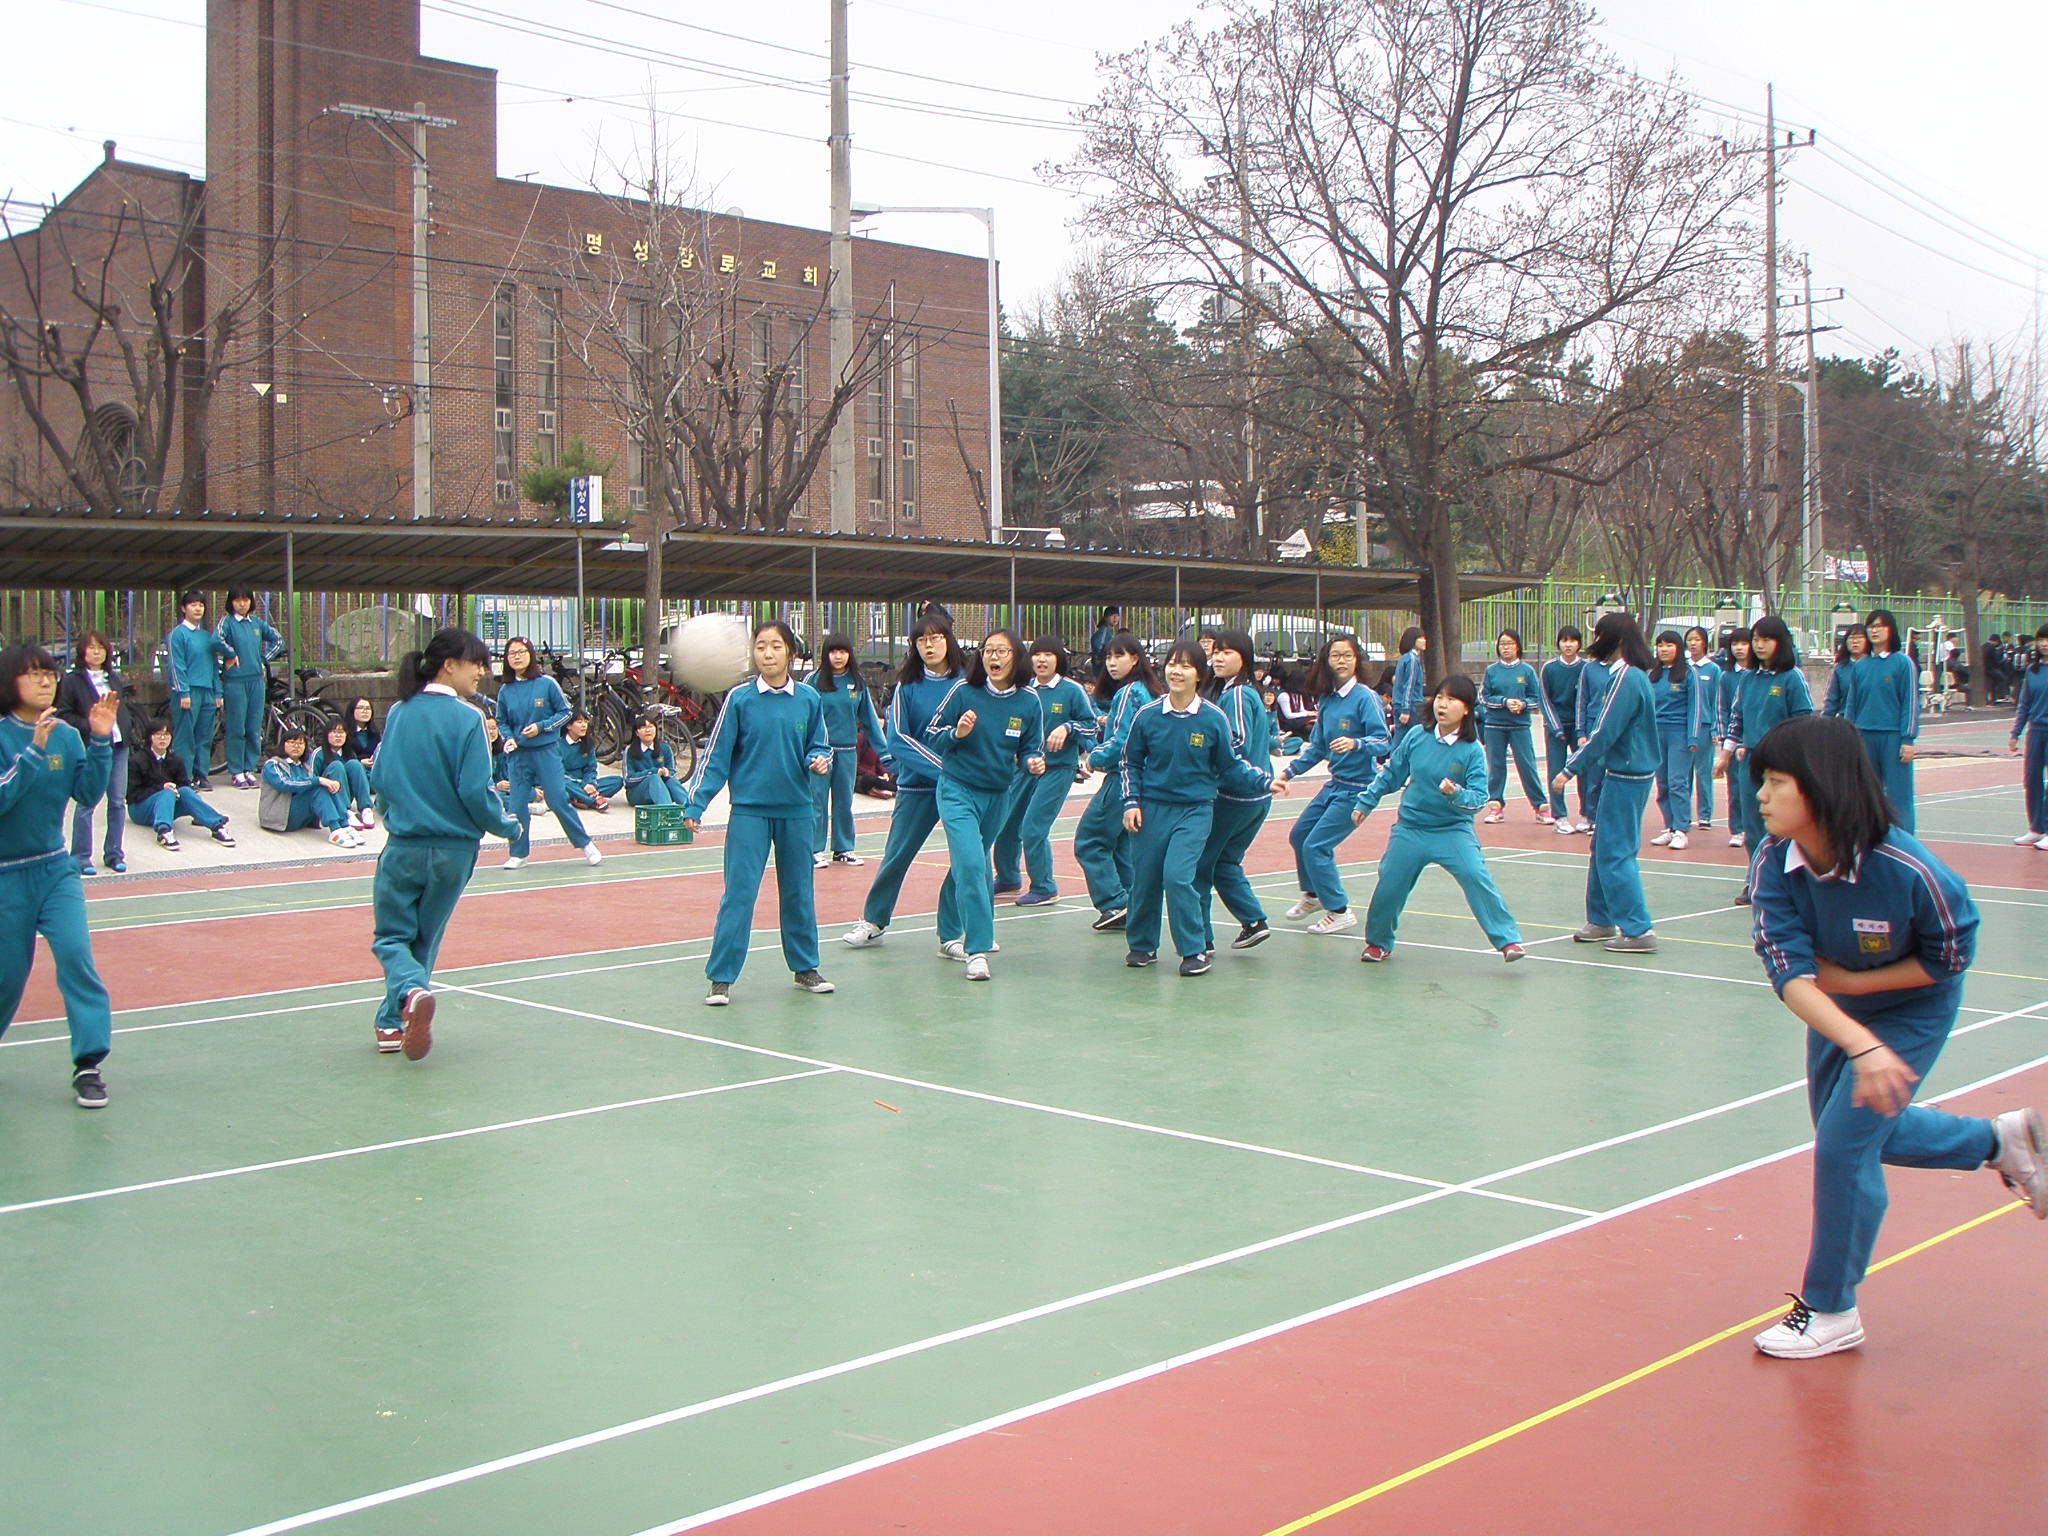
(1924, 198)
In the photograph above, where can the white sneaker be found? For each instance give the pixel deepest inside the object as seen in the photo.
(1663, 839)
(2022, 1159)
(952, 949)
(590, 854)
(1303, 907)
(977, 967)
(1582, 825)
(2042, 844)
(820, 860)
(1563, 826)
(368, 819)
(1334, 922)
(2030, 836)
(1804, 1334)
(512, 862)
(1734, 839)
(1679, 840)
(1494, 818)
(862, 935)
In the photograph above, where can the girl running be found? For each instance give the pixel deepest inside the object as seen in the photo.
(45, 765)
(986, 729)
(1445, 774)
(1622, 741)
(1025, 843)
(768, 740)
(1865, 935)
(1408, 681)
(848, 710)
(432, 780)
(1560, 704)
(2030, 720)
(1680, 707)
(1885, 709)
(1738, 658)
(650, 767)
(1508, 693)
(1352, 733)
(1772, 691)
(1101, 846)
(531, 714)
(1707, 679)
(1237, 817)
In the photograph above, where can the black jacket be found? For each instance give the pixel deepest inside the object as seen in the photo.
(76, 697)
(146, 775)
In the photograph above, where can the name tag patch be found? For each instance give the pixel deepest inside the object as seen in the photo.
(1873, 935)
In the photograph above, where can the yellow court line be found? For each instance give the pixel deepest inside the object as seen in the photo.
(1472, 1448)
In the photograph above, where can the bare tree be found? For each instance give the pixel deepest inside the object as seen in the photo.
(1439, 203)
(1980, 467)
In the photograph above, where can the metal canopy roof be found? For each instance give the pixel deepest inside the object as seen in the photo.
(78, 550)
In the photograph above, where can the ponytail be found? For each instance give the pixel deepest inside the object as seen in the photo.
(416, 669)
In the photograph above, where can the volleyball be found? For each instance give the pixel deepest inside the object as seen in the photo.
(711, 652)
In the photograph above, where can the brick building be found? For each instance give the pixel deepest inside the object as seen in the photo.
(538, 296)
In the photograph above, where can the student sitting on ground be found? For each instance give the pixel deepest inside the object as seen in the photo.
(330, 760)
(869, 776)
(160, 791)
(650, 765)
(501, 775)
(588, 789)
(294, 796)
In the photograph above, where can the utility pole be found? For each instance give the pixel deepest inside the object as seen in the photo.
(380, 119)
(841, 472)
(1809, 492)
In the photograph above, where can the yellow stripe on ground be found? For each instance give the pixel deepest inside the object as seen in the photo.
(1474, 1447)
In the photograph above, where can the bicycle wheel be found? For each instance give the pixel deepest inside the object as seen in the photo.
(310, 718)
(672, 728)
(609, 730)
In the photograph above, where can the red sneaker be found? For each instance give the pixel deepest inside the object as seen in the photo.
(419, 1023)
(389, 1040)
(1373, 954)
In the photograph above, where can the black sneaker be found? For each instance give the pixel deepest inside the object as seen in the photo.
(1251, 935)
(203, 784)
(89, 1088)
(1194, 965)
(810, 981)
(220, 835)
(1110, 921)
(1138, 959)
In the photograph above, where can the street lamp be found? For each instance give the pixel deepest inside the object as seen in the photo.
(995, 352)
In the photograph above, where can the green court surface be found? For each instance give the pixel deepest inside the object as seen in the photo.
(609, 1259)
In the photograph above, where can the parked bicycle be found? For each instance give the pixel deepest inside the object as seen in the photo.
(614, 700)
(308, 710)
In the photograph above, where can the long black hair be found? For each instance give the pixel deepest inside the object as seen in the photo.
(1706, 641)
(1825, 756)
(1890, 620)
(827, 675)
(1459, 686)
(1240, 642)
(1843, 655)
(1737, 636)
(1509, 634)
(1676, 671)
(1020, 665)
(1321, 680)
(912, 669)
(1619, 634)
(235, 592)
(508, 675)
(1128, 644)
(1784, 654)
(416, 669)
(1409, 636)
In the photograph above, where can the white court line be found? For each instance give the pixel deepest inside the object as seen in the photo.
(388, 1146)
(1675, 917)
(1012, 1319)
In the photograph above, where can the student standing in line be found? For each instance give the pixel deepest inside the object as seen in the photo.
(1177, 758)
(44, 764)
(1560, 704)
(195, 655)
(1885, 709)
(330, 760)
(590, 788)
(1681, 714)
(1445, 773)
(1622, 741)
(531, 713)
(253, 643)
(93, 679)
(294, 796)
(1508, 695)
(1853, 647)
(1739, 657)
(1706, 673)
(849, 709)
(1594, 677)
(1025, 843)
(650, 767)
(1237, 816)
(2030, 720)
(1865, 936)
(1409, 686)
(160, 791)
(363, 735)
(432, 781)
(1773, 690)
(767, 743)
(1352, 733)
(1101, 846)
(929, 671)
(986, 730)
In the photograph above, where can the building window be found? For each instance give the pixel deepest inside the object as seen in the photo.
(906, 433)
(799, 332)
(547, 374)
(504, 394)
(877, 477)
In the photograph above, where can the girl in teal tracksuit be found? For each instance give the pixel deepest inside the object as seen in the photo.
(985, 730)
(1621, 740)
(2030, 720)
(650, 767)
(194, 655)
(1101, 846)
(1681, 714)
(1445, 772)
(1594, 677)
(1409, 685)
(531, 714)
(1737, 658)
(1560, 704)
(1707, 673)
(934, 665)
(45, 767)
(1025, 843)
(330, 760)
(1238, 815)
(1885, 709)
(590, 788)
(1854, 647)
(432, 781)
(1351, 732)
(1771, 691)
(1508, 695)
(767, 744)
(254, 644)
(849, 709)
(1177, 758)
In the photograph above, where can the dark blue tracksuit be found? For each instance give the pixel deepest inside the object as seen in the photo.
(1237, 817)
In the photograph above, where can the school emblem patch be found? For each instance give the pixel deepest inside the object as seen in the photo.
(1016, 723)
(1873, 935)
(1194, 738)
(1058, 708)
(56, 760)
(1776, 689)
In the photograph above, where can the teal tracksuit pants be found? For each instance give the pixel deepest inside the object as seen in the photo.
(910, 823)
(1025, 843)
(748, 839)
(192, 727)
(654, 790)
(1555, 750)
(418, 883)
(1455, 850)
(972, 818)
(832, 803)
(540, 765)
(1164, 857)
(1315, 835)
(1744, 814)
(46, 896)
(242, 699)
(1614, 882)
(608, 784)
(1674, 779)
(1501, 742)
(1883, 747)
(1704, 746)
(1232, 826)
(1103, 849)
(1851, 1146)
